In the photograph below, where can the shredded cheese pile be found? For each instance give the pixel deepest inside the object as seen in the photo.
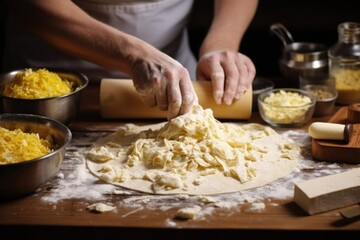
(192, 143)
(195, 142)
(17, 146)
(37, 84)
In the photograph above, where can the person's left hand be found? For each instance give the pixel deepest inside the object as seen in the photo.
(231, 74)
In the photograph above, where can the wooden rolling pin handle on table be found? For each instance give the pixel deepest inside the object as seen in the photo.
(339, 139)
(331, 131)
(119, 100)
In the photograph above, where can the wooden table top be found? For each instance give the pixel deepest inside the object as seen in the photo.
(35, 216)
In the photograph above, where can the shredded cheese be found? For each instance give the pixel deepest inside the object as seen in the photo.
(286, 107)
(17, 146)
(37, 84)
(192, 153)
(195, 142)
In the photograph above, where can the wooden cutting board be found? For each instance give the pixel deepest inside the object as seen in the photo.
(338, 151)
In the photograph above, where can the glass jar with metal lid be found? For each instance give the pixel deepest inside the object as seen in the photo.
(344, 63)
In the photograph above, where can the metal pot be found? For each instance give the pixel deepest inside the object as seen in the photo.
(300, 58)
(19, 179)
(61, 108)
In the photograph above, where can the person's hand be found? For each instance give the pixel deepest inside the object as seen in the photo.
(231, 73)
(163, 82)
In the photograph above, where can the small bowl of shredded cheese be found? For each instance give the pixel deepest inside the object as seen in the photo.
(52, 93)
(32, 148)
(286, 107)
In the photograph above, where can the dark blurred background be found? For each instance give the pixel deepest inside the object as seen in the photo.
(307, 20)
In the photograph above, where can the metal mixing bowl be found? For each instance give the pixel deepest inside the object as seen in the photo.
(323, 106)
(18, 179)
(62, 108)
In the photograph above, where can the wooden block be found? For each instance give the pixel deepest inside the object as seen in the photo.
(329, 192)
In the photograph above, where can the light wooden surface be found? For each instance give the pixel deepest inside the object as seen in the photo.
(32, 218)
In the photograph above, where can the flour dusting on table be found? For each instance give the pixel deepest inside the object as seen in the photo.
(74, 181)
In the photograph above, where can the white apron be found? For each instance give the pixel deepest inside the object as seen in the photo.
(162, 23)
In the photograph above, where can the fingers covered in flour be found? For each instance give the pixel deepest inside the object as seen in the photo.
(231, 74)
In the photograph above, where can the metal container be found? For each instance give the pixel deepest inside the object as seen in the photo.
(324, 90)
(62, 108)
(323, 106)
(300, 58)
(18, 179)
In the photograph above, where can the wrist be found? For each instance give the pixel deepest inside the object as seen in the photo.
(216, 46)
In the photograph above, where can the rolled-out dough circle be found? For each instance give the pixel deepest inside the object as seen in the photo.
(273, 165)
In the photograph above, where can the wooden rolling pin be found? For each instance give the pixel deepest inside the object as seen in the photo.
(119, 99)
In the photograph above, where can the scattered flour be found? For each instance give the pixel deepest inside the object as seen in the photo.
(257, 206)
(74, 181)
(133, 211)
(170, 223)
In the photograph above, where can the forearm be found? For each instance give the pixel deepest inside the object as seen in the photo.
(159, 79)
(231, 19)
(67, 27)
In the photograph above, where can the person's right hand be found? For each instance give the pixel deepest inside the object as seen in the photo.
(163, 82)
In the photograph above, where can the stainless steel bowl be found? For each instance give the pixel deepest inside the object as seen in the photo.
(300, 58)
(62, 108)
(303, 58)
(18, 179)
(324, 106)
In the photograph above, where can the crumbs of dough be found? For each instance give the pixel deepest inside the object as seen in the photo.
(100, 208)
(207, 199)
(188, 212)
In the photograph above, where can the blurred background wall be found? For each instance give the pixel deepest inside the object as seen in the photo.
(307, 20)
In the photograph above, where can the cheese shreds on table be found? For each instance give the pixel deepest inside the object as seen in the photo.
(37, 84)
(18, 146)
(193, 154)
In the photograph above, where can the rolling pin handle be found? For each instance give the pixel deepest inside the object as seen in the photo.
(331, 131)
